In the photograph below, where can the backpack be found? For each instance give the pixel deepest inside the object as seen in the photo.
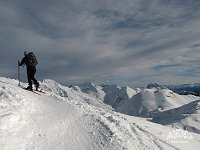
(32, 61)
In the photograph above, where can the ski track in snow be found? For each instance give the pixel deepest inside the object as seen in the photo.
(68, 121)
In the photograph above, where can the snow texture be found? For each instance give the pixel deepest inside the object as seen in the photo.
(89, 117)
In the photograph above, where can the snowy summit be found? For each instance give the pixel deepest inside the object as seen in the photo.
(90, 117)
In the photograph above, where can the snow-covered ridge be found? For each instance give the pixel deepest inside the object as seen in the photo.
(54, 87)
(143, 101)
(186, 89)
(69, 118)
(186, 117)
(149, 102)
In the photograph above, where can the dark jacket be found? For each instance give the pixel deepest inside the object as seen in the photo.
(25, 62)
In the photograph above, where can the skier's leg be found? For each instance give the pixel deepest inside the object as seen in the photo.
(29, 76)
(34, 80)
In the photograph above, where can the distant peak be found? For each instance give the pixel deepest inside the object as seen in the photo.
(88, 87)
(87, 84)
(48, 81)
(155, 85)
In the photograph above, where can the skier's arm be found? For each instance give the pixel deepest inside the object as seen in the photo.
(22, 62)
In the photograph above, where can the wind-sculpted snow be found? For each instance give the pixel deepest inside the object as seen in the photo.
(186, 117)
(143, 102)
(67, 118)
(54, 87)
(149, 103)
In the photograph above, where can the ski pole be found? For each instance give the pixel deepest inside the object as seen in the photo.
(18, 73)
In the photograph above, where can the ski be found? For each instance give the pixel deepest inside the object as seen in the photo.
(31, 91)
(38, 91)
(41, 91)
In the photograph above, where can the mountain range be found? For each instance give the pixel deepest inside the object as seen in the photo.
(89, 116)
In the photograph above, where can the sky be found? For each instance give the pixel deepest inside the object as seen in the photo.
(124, 42)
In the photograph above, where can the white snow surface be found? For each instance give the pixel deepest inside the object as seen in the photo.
(72, 119)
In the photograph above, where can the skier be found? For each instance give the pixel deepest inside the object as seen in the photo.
(30, 61)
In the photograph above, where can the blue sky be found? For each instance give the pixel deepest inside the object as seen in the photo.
(127, 42)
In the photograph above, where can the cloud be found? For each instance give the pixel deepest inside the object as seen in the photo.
(101, 41)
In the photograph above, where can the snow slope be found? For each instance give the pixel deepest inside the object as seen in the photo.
(67, 118)
(186, 117)
(150, 101)
(157, 102)
(144, 102)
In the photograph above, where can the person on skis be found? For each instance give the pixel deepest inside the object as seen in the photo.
(30, 61)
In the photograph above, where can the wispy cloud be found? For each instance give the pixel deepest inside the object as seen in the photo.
(101, 41)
